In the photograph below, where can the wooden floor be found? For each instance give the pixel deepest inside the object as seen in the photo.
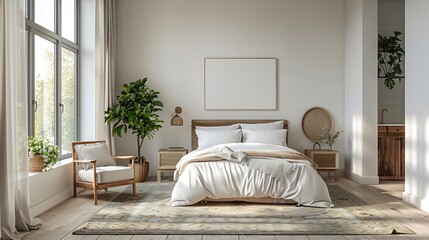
(61, 220)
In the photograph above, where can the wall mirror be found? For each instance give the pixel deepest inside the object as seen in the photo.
(240, 83)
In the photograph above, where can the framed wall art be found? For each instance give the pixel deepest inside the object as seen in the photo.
(240, 83)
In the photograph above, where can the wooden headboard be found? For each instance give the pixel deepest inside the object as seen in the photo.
(217, 122)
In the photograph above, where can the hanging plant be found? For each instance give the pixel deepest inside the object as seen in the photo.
(390, 57)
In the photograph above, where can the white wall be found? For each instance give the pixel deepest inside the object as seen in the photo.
(87, 71)
(167, 41)
(361, 90)
(416, 102)
(50, 188)
(369, 123)
(391, 17)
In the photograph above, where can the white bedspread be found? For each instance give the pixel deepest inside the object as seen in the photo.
(226, 179)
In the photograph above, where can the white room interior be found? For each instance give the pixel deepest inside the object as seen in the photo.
(326, 54)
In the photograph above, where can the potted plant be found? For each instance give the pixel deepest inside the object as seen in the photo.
(390, 56)
(330, 137)
(42, 154)
(136, 110)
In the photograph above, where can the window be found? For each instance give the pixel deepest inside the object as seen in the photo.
(44, 88)
(68, 132)
(52, 66)
(44, 13)
(68, 19)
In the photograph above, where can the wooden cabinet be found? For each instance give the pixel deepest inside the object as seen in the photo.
(391, 152)
(167, 160)
(325, 159)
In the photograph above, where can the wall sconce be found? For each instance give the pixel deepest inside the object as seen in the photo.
(176, 120)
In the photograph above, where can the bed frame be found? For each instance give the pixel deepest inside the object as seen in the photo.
(218, 122)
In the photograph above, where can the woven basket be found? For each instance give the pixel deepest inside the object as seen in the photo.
(141, 171)
(36, 163)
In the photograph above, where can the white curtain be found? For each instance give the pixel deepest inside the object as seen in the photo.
(105, 51)
(14, 193)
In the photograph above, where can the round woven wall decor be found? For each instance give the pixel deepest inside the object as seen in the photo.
(314, 120)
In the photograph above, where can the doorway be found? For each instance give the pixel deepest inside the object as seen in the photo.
(391, 90)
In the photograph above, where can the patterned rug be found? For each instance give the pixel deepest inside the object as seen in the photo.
(150, 214)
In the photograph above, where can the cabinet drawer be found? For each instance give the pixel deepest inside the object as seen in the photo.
(396, 129)
(324, 160)
(382, 129)
(167, 159)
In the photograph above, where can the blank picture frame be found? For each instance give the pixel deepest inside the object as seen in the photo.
(240, 83)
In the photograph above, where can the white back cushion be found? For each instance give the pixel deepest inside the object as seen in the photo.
(276, 137)
(263, 126)
(219, 128)
(211, 138)
(98, 151)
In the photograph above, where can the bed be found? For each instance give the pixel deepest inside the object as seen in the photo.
(250, 163)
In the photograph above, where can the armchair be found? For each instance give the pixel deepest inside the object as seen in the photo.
(94, 168)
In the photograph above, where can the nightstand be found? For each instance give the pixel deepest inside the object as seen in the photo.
(167, 160)
(326, 160)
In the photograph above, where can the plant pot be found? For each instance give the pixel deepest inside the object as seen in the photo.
(36, 163)
(141, 171)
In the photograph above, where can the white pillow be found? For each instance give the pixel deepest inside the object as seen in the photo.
(217, 128)
(263, 126)
(211, 138)
(276, 137)
(98, 151)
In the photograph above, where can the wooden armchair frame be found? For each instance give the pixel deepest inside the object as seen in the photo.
(94, 185)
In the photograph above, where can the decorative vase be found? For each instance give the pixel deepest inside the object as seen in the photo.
(36, 163)
(330, 146)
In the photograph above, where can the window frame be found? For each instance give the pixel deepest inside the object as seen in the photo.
(33, 29)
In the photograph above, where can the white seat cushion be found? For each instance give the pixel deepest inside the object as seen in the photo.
(107, 174)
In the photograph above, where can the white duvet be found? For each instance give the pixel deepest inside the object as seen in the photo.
(230, 180)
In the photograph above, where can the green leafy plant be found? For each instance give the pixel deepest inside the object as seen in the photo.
(390, 56)
(136, 109)
(40, 145)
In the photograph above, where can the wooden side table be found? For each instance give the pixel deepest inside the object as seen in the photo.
(326, 160)
(167, 160)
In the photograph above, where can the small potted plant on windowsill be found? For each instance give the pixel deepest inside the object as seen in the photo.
(42, 154)
(136, 109)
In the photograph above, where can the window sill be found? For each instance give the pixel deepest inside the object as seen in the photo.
(61, 163)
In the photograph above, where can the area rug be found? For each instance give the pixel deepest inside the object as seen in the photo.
(149, 214)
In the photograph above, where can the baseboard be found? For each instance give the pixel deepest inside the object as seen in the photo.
(51, 202)
(366, 180)
(422, 203)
